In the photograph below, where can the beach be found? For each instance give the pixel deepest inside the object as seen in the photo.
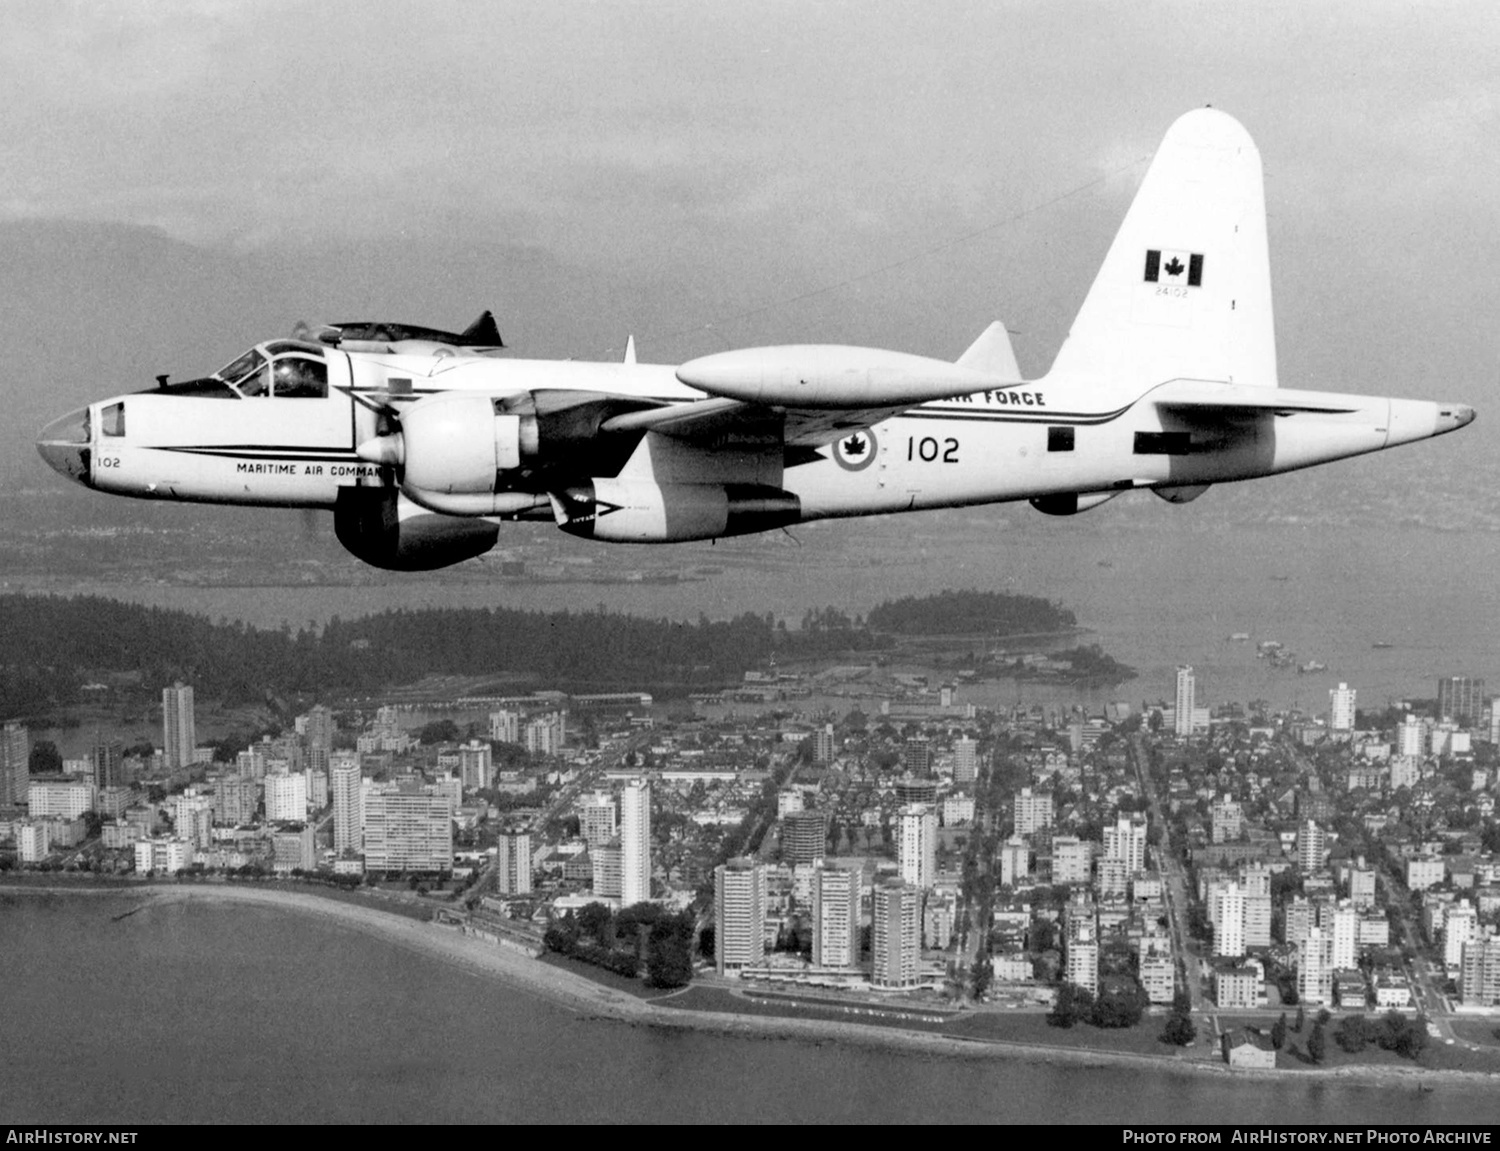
(590, 1000)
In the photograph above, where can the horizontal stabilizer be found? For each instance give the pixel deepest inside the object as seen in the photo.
(992, 353)
(1206, 396)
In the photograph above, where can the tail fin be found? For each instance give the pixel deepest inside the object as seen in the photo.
(1185, 292)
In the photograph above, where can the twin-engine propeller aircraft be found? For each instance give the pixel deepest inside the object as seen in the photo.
(422, 442)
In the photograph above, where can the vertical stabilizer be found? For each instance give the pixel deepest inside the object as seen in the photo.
(1185, 292)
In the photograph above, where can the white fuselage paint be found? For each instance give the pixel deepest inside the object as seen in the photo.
(983, 448)
(1167, 380)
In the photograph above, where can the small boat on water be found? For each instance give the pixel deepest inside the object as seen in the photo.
(1240, 637)
(1380, 644)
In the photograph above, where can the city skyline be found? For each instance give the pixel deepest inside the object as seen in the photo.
(1106, 865)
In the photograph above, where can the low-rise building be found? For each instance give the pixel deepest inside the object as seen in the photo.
(1072, 859)
(66, 832)
(1237, 988)
(1247, 1047)
(1349, 990)
(292, 849)
(1011, 967)
(1392, 989)
(33, 840)
(1159, 978)
(1374, 931)
(163, 856)
(117, 835)
(67, 796)
(1424, 872)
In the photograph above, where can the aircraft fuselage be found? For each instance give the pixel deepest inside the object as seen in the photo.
(422, 441)
(1032, 441)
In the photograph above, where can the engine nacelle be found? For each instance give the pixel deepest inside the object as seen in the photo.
(456, 444)
(477, 455)
(386, 530)
(1070, 503)
(631, 511)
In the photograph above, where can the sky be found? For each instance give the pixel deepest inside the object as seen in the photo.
(180, 180)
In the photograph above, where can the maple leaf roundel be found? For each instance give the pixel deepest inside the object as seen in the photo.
(854, 451)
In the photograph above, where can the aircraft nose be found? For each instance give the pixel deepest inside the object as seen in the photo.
(64, 444)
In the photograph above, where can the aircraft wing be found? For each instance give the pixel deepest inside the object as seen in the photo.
(698, 419)
(734, 423)
(810, 395)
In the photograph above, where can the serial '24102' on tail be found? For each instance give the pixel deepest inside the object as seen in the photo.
(424, 442)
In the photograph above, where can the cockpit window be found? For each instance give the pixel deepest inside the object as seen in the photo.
(300, 377)
(277, 347)
(257, 382)
(297, 366)
(244, 366)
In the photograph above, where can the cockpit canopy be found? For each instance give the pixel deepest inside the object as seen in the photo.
(294, 369)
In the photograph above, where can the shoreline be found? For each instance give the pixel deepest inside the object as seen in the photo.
(576, 992)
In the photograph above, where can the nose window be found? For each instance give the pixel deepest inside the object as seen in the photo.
(112, 420)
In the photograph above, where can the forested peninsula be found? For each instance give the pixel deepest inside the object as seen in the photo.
(56, 646)
(986, 613)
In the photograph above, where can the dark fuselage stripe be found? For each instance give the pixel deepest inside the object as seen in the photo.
(238, 452)
(1012, 417)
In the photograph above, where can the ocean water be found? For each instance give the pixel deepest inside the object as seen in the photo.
(1155, 592)
(197, 1012)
